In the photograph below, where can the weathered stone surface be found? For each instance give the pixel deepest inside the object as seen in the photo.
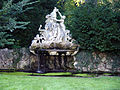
(97, 61)
(6, 59)
(22, 59)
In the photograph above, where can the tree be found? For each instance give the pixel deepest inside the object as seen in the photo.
(9, 21)
(96, 27)
(36, 16)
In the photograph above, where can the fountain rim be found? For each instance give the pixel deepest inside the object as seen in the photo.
(60, 50)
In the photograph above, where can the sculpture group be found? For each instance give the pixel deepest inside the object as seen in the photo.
(55, 35)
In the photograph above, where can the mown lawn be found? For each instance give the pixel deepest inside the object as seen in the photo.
(9, 81)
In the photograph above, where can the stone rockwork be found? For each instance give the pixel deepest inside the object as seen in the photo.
(6, 59)
(22, 59)
(96, 61)
(14, 58)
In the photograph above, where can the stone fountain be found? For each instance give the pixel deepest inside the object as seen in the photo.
(54, 39)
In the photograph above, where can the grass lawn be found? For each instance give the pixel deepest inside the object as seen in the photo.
(20, 81)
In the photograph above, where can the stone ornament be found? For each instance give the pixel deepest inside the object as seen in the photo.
(55, 35)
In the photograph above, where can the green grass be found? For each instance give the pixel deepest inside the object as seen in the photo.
(19, 81)
(15, 73)
(29, 74)
(85, 75)
(47, 74)
(56, 74)
(107, 74)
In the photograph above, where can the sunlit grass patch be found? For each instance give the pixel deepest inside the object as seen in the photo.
(16, 81)
(85, 75)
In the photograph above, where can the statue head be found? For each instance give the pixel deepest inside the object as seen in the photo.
(48, 16)
(53, 14)
(63, 17)
(55, 9)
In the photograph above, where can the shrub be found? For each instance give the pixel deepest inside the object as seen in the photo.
(96, 27)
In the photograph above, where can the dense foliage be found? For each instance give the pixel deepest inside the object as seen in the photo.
(9, 22)
(36, 16)
(96, 27)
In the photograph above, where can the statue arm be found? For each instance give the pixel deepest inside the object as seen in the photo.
(60, 14)
(40, 28)
(57, 20)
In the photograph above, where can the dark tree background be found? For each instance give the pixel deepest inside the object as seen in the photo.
(95, 24)
(36, 16)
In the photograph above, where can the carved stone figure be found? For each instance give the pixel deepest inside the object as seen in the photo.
(54, 35)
